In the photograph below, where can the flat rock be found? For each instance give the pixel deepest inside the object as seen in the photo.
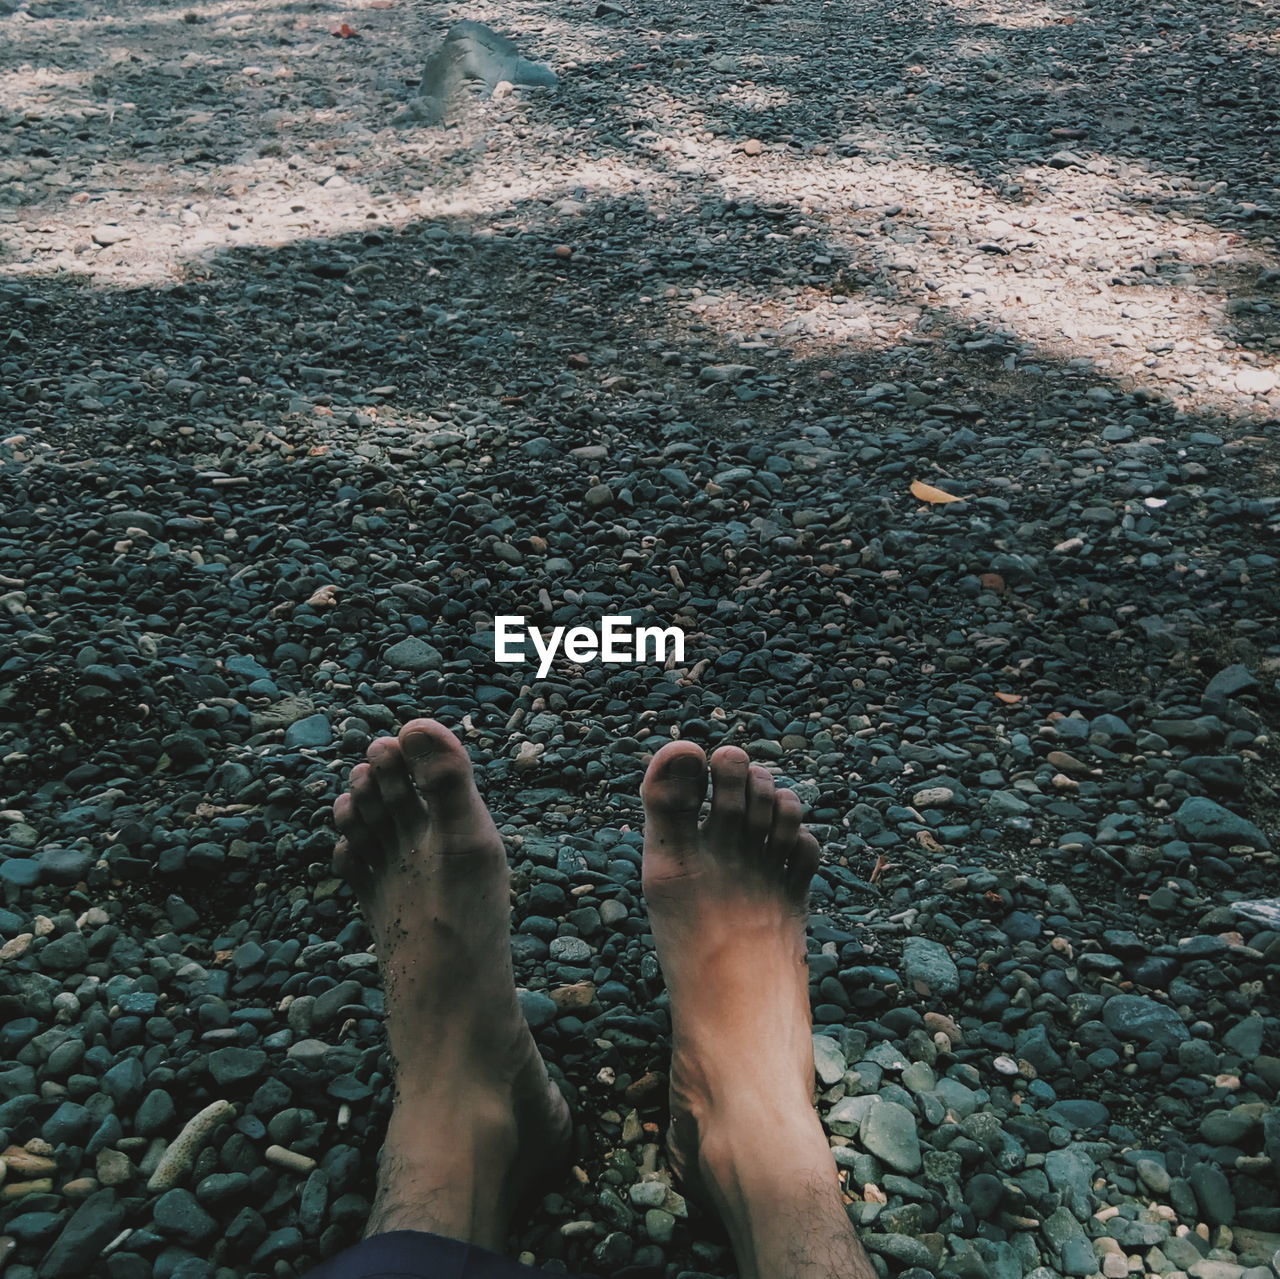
(413, 654)
(108, 234)
(79, 1245)
(312, 731)
(231, 1066)
(929, 963)
(63, 865)
(828, 1060)
(1144, 1019)
(1203, 820)
(889, 1132)
(725, 372)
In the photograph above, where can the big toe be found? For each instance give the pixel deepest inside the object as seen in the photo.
(674, 787)
(441, 770)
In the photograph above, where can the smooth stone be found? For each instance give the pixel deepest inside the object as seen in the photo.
(1033, 1045)
(888, 1131)
(1245, 1038)
(413, 654)
(1208, 1268)
(78, 1248)
(659, 1225)
(539, 1009)
(829, 1062)
(1070, 1169)
(248, 668)
(1142, 1018)
(311, 731)
(846, 1116)
(178, 1214)
(1221, 773)
(1229, 682)
(63, 865)
(1154, 1176)
(231, 1066)
(123, 1083)
(902, 1248)
(66, 954)
(1078, 1112)
(956, 1097)
(20, 872)
(1228, 1127)
(983, 1193)
(1078, 1257)
(929, 962)
(1138, 1234)
(1020, 926)
(1213, 1194)
(919, 1077)
(1205, 821)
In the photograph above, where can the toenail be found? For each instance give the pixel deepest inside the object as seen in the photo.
(686, 766)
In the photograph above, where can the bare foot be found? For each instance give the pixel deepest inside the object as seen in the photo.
(728, 903)
(476, 1122)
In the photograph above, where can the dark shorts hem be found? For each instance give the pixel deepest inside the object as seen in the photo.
(418, 1254)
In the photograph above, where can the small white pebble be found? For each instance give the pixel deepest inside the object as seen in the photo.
(17, 946)
(289, 1159)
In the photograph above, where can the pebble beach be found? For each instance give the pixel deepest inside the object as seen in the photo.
(917, 361)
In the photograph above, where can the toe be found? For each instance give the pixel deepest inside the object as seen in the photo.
(805, 856)
(353, 836)
(391, 772)
(346, 861)
(761, 797)
(730, 770)
(368, 800)
(675, 784)
(788, 810)
(346, 818)
(441, 771)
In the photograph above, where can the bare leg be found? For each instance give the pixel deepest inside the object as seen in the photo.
(475, 1120)
(728, 904)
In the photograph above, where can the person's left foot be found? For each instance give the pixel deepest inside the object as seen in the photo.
(476, 1121)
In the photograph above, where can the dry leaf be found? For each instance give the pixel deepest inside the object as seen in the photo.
(1009, 699)
(927, 493)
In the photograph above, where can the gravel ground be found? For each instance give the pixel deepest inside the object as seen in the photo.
(300, 392)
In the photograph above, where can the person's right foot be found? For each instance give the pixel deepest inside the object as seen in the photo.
(728, 901)
(728, 905)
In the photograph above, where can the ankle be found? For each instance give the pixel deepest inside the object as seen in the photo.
(762, 1144)
(773, 1180)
